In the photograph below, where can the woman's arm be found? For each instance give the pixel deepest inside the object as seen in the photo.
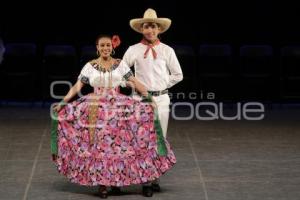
(72, 92)
(138, 86)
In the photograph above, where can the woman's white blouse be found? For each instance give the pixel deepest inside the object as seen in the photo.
(92, 74)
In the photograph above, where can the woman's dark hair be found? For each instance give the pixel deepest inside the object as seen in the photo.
(102, 36)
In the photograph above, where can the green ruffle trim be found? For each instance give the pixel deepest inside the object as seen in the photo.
(54, 125)
(161, 144)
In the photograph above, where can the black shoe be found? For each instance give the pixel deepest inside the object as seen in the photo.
(147, 191)
(103, 192)
(155, 187)
(115, 190)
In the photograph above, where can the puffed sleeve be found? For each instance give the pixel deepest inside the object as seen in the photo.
(129, 57)
(86, 73)
(124, 70)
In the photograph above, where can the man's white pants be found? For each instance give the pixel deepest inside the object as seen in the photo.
(163, 107)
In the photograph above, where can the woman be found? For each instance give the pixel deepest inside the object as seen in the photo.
(106, 138)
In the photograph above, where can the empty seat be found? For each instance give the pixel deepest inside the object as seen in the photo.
(87, 53)
(215, 69)
(187, 60)
(256, 60)
(290, 72)
(60, 64)
(20, 72)
(258, 73)
(215, 60)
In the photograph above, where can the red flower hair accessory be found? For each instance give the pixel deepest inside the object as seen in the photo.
(115, 40)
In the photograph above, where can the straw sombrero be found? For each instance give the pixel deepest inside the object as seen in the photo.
(150, 16)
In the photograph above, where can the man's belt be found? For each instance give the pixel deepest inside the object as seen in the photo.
(158, 93)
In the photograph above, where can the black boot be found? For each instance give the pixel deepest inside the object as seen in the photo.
(147, 191)
(155, 187)
(115, 190)
(103, 192)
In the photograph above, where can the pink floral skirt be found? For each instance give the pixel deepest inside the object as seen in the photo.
(109, 140)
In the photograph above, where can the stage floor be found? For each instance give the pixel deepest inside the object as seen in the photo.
(216, 160)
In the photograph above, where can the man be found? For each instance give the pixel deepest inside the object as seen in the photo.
(156, 66)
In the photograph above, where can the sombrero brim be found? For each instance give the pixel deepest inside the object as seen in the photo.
(164, 23)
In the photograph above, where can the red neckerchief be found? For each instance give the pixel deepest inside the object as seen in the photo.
(150, 46)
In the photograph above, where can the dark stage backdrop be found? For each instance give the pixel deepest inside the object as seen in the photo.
(270, 26)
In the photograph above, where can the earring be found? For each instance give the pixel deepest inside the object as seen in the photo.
(113, 52)
(97, 52)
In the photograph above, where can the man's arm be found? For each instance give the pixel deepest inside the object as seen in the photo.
(175, 69)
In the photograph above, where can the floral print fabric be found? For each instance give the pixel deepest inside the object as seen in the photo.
(118, 149)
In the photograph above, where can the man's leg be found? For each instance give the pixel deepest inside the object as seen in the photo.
(163, 104)
(147, 189)
(155, 185)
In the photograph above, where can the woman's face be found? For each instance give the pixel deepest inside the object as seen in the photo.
(150, 31)
(104, 47)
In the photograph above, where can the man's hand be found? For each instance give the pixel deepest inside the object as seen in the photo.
(144, 93)
(130, 84)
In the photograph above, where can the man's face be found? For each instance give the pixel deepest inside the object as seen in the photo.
(150, 31)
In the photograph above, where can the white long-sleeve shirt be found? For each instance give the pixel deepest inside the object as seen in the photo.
(156, 74)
